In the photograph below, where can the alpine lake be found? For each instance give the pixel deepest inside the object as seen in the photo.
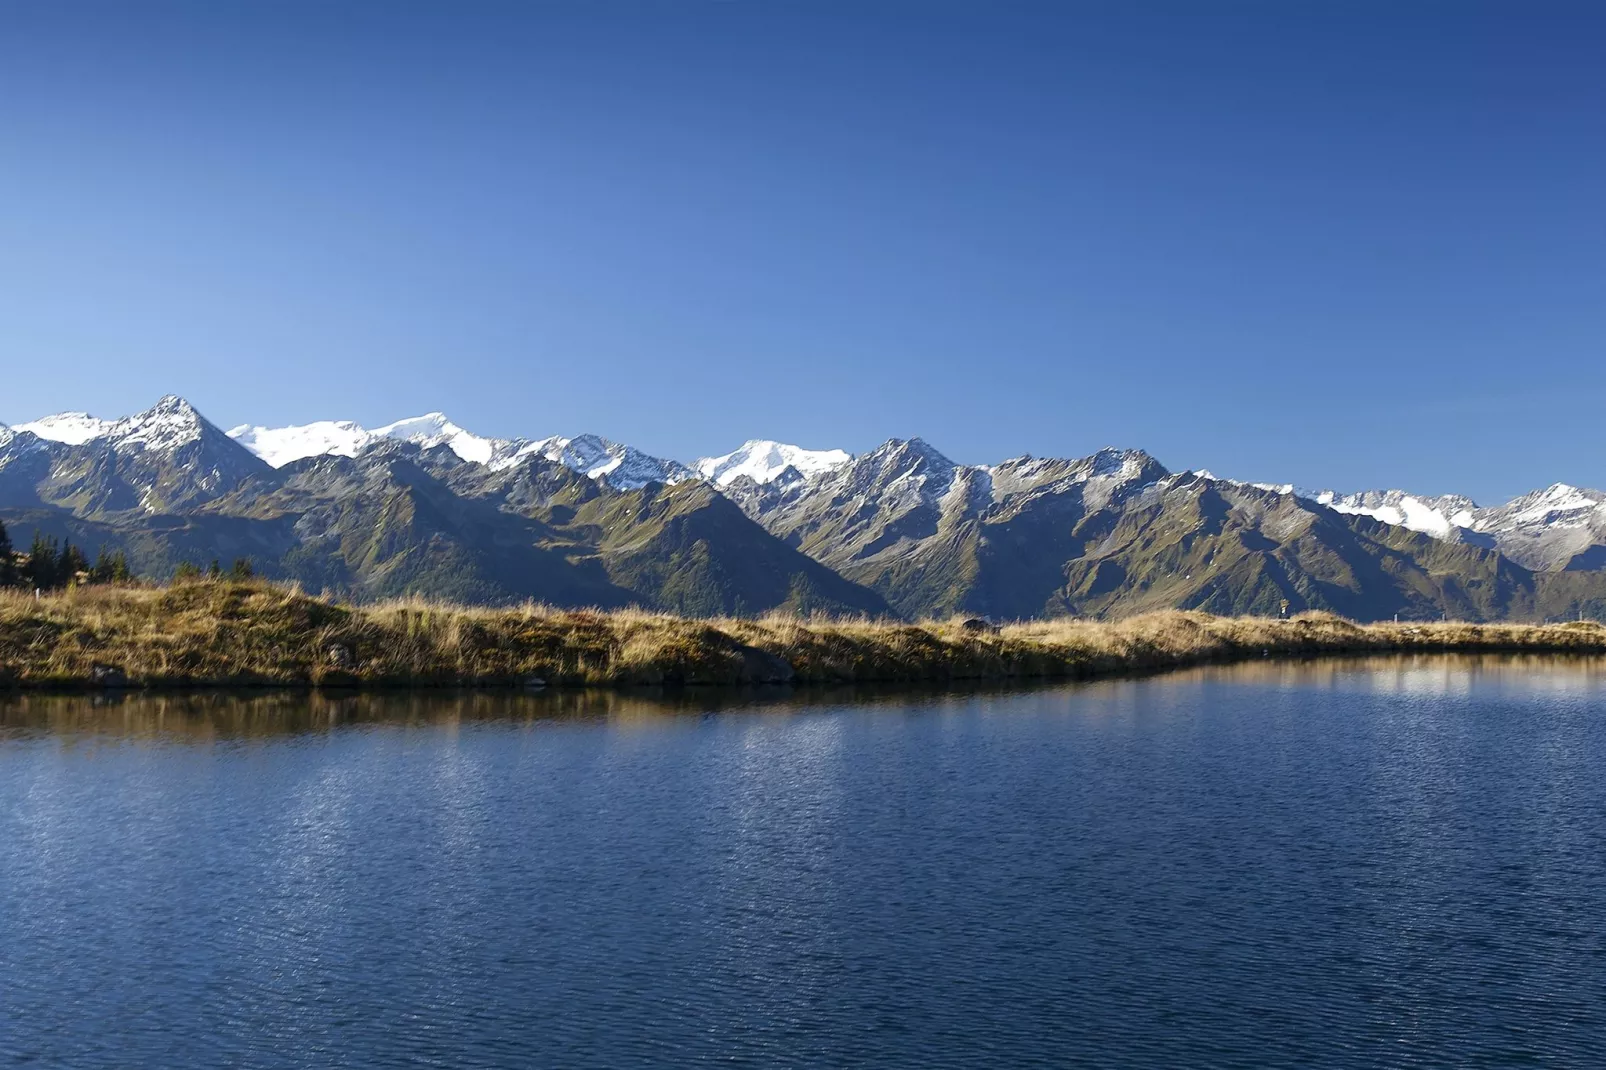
(1397, 862)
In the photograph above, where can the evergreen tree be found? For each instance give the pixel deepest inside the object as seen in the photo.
(215, 570)
(43, 564)
(102, 570)
(242, 569)
(187, 570)
(8, 567)
(120, 573)
(71, 562)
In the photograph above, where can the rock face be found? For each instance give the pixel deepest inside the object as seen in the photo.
(424, 507)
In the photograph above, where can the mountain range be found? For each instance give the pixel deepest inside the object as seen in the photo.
(425, 507)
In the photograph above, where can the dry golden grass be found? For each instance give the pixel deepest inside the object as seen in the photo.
(214, 633)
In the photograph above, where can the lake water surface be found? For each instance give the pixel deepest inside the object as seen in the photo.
(1366, 864)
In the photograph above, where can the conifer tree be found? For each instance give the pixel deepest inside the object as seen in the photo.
(71, 562)
(120, 573)
(242, 569)
(8, 567)
(43, 565)
(215, 570)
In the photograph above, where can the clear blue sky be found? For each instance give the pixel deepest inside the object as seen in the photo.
(1348, 244)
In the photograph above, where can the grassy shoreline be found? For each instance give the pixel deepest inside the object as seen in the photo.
(224, 633)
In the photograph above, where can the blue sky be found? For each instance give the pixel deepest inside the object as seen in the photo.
(1344, 245)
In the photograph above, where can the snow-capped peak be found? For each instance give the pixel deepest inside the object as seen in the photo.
(344, 438)
(280, 445)
(1437, 516)
(1558, 504)
(1447, 516)
(171, 422)
(434, 429)
(73, 428)
(1122, 464)
(619, 465)
(762, 461)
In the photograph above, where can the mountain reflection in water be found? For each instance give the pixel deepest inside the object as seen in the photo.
(247, 714)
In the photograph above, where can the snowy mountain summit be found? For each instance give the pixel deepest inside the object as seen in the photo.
(73, 428)
(1547, 529)
(621, 466)
(617, 464)
(170, 423)
(280, 446)
(763, 461)
(164, 459)
(1439, 516)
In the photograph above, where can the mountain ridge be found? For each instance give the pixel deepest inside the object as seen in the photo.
(425, 506)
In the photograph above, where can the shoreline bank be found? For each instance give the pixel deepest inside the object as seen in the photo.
(227, 634)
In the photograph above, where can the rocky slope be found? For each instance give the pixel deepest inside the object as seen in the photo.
(1115, 533)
